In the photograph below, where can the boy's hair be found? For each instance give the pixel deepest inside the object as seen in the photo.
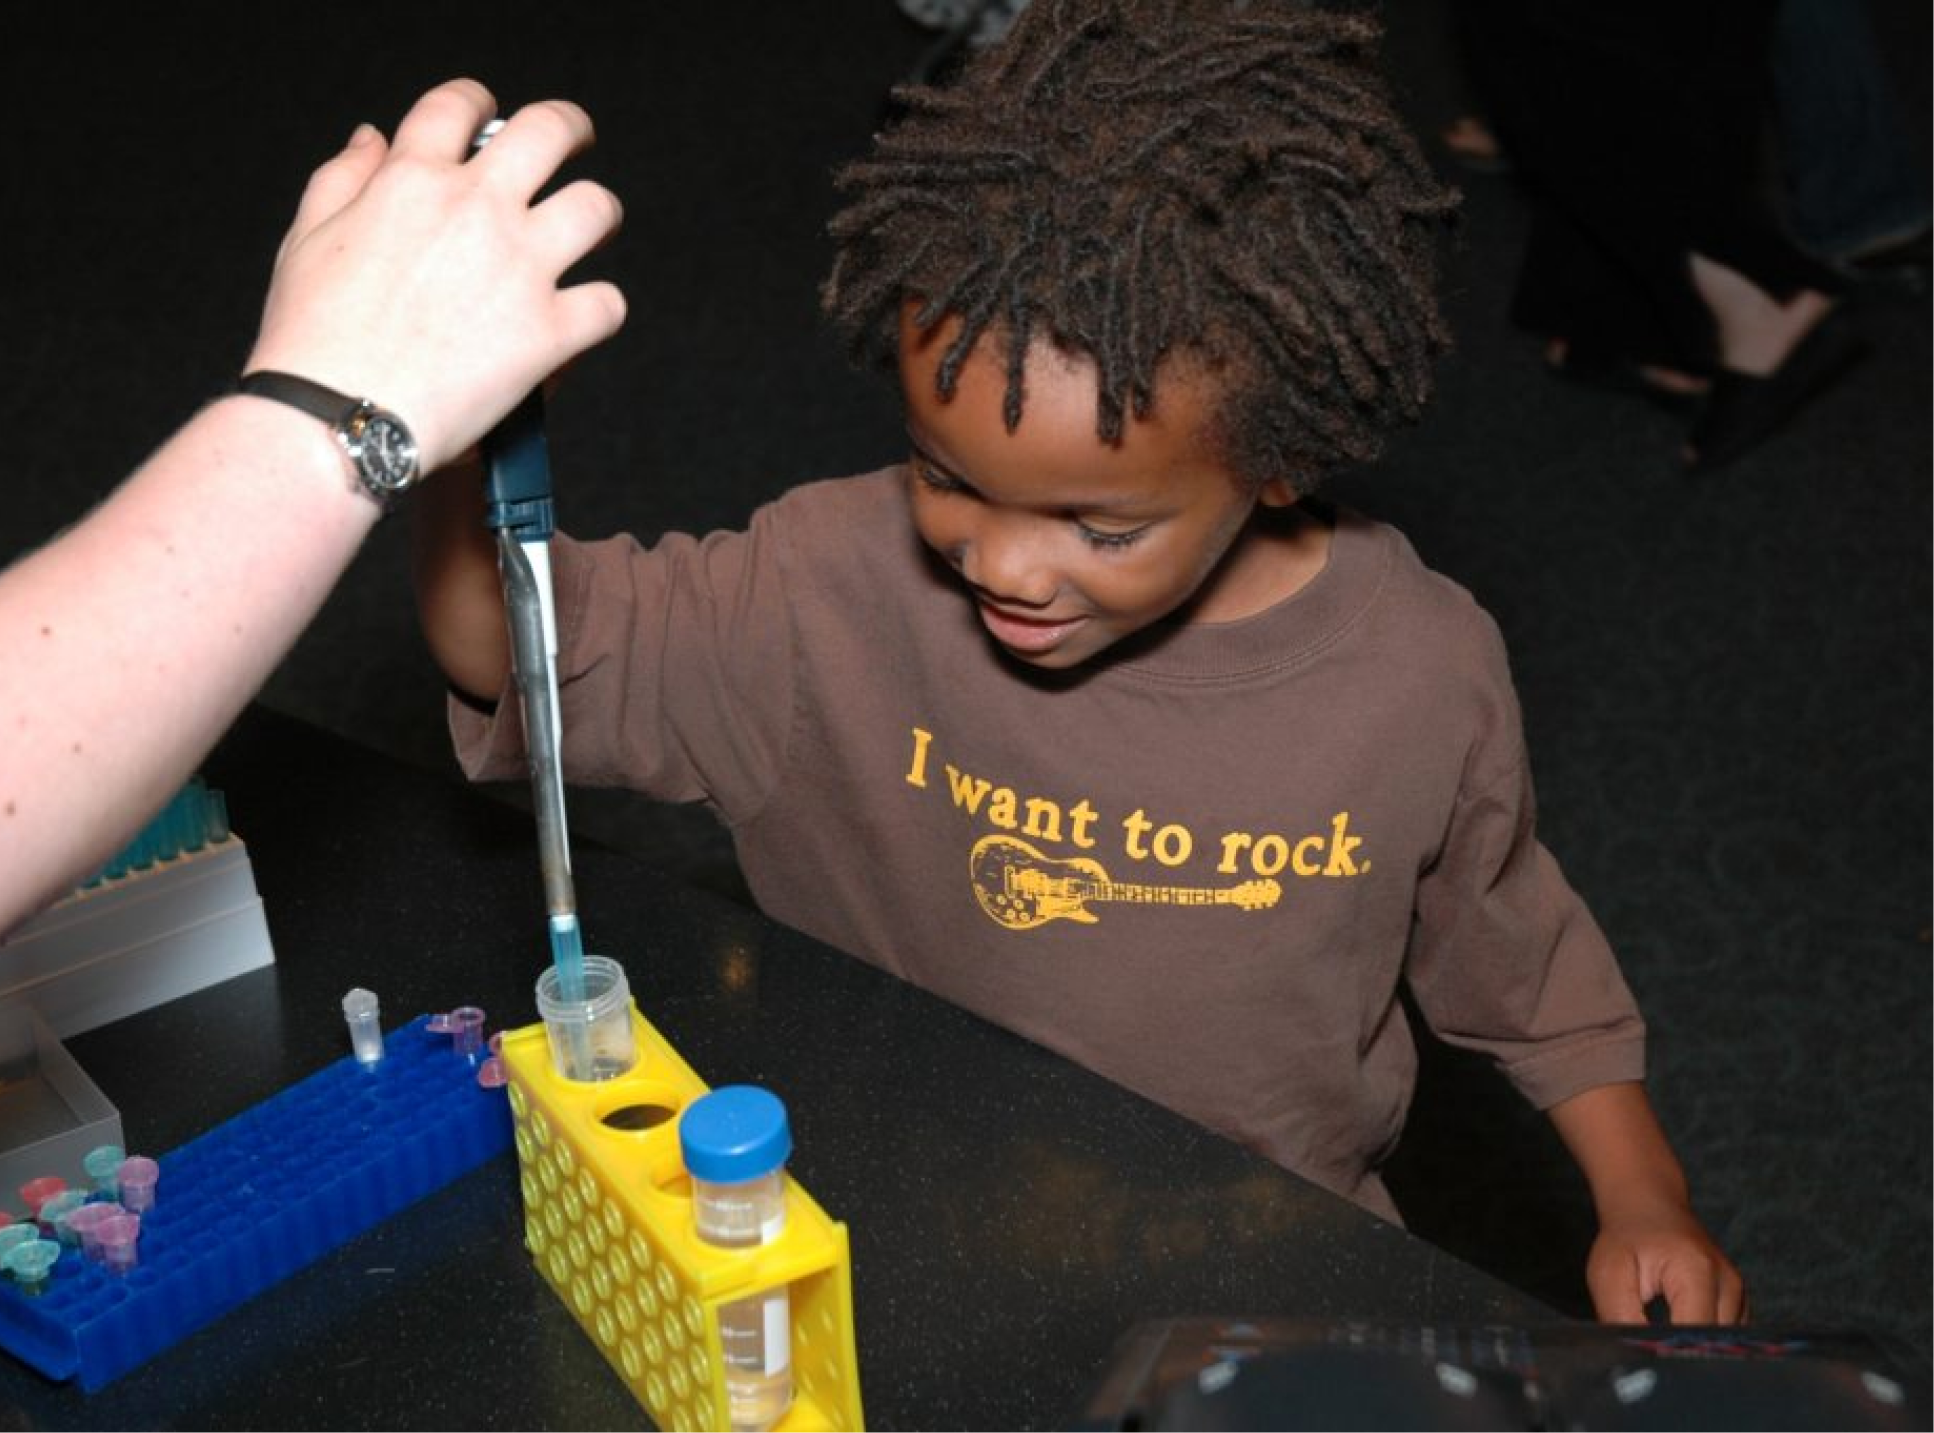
(1135, 179)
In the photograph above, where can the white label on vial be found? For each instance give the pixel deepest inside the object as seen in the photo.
(778, 1317)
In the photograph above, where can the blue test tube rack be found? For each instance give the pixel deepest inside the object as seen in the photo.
(244, 1206)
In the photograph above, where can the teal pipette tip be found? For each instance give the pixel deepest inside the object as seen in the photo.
(567, 953)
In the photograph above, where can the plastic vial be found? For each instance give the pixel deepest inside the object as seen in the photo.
(85, 1225)
(363, 1014)
(53, 1216)
(102, 1165)
(119, 1238)
(36, 1192)
(590, 1038)
(736, 1142)
(137, 1177)
(14, 1235)
(466, 1031)
(31, 1264)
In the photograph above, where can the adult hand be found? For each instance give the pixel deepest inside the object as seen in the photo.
(428, 280)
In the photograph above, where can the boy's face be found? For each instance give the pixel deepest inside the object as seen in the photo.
(1066, 542)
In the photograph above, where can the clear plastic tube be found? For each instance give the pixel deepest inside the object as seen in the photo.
(590, 1037)
(363, 1013)
(736, 1141)
(755, 1333)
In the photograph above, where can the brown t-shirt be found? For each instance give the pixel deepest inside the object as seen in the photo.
(1200, 865)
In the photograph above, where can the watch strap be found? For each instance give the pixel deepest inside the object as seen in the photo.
(351, 420)
(312, 398)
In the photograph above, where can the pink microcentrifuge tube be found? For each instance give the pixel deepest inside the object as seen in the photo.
(466, 1028)
(86, 1223)
(494, 1074)
(137, 1177)
(118, 1235)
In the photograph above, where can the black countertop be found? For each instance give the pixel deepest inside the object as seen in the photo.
(1010, 1213)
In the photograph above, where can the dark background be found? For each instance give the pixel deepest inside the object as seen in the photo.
(1726, 682)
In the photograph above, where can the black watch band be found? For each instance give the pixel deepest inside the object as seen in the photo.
(312, 398)
(380, 447)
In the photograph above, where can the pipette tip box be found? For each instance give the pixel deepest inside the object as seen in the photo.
(51, 1114)
(143, 936)
(244, 1206)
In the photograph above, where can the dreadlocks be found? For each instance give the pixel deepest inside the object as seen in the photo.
(1136, 179)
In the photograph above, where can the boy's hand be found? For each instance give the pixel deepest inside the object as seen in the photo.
(1662, 1253)
(428, 281)
(1650, 1244)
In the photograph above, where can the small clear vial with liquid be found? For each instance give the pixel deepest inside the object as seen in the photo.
(590, 1032)
(736, 1141)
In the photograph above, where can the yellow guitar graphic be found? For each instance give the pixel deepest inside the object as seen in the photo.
(1022, 889)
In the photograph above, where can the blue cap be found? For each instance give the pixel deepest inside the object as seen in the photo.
(734, 1135)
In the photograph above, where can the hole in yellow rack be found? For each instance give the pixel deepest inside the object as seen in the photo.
(638, 1117)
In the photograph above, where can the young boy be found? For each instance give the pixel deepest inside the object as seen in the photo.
(1086, 717)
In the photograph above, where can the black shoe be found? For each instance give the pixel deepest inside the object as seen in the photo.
(1743, 410)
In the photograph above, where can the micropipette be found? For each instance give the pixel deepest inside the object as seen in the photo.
(517, 488)
(518, 485)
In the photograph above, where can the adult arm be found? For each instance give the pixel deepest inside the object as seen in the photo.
(129, 643)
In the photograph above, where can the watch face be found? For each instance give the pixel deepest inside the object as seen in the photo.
(384, 451)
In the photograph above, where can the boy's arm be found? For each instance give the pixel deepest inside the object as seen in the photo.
(1650, 1244)
(459, 593)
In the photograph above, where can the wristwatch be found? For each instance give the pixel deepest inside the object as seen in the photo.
(380, 446)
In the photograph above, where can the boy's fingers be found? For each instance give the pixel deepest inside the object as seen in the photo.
(1734, 1307)
(1692, 1293)
(442, 123)
(1615, 1293)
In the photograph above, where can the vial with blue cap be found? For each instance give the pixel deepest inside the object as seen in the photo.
(735, 1142)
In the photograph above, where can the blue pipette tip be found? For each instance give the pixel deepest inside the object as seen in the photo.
(567, 953)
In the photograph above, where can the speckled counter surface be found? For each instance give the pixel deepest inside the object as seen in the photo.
(1010, 1214)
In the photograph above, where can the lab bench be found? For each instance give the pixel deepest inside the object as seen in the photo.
(1010, 1214)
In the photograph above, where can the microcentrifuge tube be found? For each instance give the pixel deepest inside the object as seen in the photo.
(138, 1177)
(31, 1262)
(13, 1236)
(84, 1225)
(119, 1237)
(361, 1011)
(466, 1030)
(54, 1212)
(36, 1192)
(102, 1165)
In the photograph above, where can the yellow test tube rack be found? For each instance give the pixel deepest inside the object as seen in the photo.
(608, 1219)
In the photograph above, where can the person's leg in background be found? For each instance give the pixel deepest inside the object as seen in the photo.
(1854, 188)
